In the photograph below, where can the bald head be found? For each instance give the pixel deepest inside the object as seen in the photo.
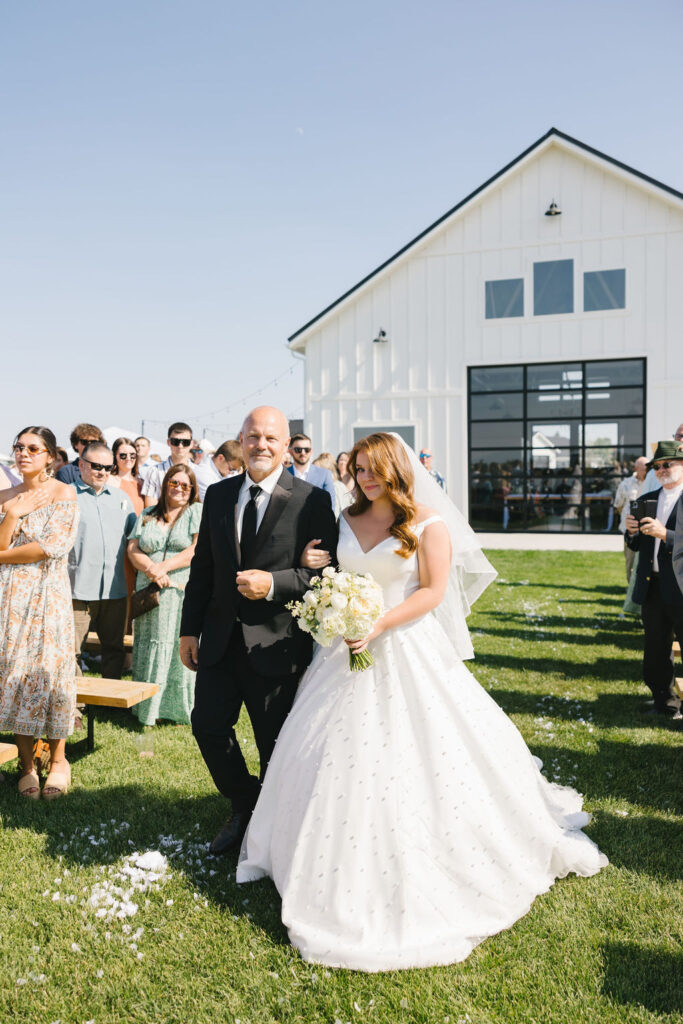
(267, 414)
(640, 467)
(265, 438)
(678, 436)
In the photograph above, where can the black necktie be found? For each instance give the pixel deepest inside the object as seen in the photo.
(248, 539)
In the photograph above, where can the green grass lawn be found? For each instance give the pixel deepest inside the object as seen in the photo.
(553, 652)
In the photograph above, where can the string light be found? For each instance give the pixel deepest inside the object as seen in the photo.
(238, 402)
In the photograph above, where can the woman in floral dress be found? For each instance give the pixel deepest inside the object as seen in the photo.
(38, 524)
(161, 549)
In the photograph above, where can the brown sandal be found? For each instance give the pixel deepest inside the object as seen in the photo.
(59, 782)
(29, 785)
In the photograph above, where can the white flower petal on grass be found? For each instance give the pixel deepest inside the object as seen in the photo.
(75, 948)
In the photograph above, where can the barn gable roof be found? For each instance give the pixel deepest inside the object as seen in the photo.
(552, 134)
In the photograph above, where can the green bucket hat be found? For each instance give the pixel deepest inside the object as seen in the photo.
(666, 450)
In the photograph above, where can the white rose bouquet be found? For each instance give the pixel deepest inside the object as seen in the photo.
(346, 604)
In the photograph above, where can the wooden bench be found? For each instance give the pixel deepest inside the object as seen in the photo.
(92, 642)
(8, 752)
(95, 691)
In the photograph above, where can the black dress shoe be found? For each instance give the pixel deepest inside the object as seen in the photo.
(658, 709)
(231, 835)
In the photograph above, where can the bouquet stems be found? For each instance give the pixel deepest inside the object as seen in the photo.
(359, 662)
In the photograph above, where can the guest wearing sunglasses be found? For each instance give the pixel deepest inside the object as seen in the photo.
(38, 523)
(180, 442)
(81, 436)
(300, 449)
(97, 559)
(161, 549)
(125, 475)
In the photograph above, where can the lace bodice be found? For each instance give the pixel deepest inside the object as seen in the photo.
(398, 577)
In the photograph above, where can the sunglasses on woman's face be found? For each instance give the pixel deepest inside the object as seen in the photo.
(185, 488)
(177, 441)
(126, 455)
(31, 449)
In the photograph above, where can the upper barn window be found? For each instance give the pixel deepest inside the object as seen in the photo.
(553, 287)
(504, 298)
(604, 289)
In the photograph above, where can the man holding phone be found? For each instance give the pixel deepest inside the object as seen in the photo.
(651, 532)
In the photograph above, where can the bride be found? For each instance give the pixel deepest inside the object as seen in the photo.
(402, 817)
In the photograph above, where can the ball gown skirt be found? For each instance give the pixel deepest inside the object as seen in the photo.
(402, 817)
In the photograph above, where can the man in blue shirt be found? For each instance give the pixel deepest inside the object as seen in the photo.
(96, 561)
(300, 449)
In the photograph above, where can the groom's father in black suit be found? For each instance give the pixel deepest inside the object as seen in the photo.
(236, 632)
(656, 588)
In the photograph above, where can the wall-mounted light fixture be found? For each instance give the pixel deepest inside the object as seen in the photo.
(381, 336)
(553, 210)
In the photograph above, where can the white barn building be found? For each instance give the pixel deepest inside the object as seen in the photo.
(531, 337)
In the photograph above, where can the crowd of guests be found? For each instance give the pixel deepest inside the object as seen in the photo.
(88, 543)
(81, 543)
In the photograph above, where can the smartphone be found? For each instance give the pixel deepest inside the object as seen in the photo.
(643, 508)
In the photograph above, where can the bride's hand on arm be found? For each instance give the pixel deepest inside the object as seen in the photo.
(312, 558)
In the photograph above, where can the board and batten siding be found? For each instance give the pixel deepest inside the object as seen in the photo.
(430, 301)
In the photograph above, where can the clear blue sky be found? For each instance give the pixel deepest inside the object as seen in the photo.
(183, 185)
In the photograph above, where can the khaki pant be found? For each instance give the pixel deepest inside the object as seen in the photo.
(629, 555)
(108, 620)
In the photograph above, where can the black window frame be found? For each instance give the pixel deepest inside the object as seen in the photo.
(526, 446)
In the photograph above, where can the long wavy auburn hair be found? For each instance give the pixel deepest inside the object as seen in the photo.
(390, 464)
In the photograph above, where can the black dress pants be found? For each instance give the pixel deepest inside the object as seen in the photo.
(220, 692)
(661, 622)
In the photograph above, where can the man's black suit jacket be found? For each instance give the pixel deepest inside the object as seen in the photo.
(296, 513)
(668, 586)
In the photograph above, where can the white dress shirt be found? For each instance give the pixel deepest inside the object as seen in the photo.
(665, 503)
(301, 471)
(206, 473)
(267, 486)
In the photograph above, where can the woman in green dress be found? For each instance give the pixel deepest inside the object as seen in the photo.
(161, 549)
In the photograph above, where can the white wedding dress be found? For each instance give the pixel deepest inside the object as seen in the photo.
(402, 817)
